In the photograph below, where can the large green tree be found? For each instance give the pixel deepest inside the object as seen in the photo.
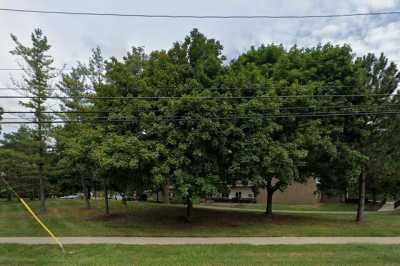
(19, 160)
(380, 80)
(37, 65)
(171, 112)
(73, 141)
(122, 159)
(273, 142)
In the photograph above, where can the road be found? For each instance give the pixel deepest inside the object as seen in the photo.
(201, 240)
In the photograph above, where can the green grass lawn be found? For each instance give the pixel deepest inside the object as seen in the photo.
(201, 255)
(69, 218)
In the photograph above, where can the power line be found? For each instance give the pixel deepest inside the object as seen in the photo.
(131, 120)
(143, 110)
(55, 112)
(22, 89)
(199, 97)
(271, 86)
(112, 14)
(21, 69)
(304, 64)
(218, 88)
(11, 118)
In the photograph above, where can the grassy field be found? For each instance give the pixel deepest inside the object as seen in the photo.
(201, 255)
(68, 218)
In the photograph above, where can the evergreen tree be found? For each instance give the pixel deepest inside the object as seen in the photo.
(38, 73)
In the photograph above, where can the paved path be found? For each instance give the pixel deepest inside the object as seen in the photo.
(389, 206)
(275, 211)
(202, 240)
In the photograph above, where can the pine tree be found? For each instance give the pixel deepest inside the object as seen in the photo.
(38, 72)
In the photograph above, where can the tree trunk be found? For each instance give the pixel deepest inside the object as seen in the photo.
(9, 196)
(189, 207)
(361, 197)
(87, 198)
(270, 192)
(374, 197)
(166, 193)
(95, 192)
(32, 195)
(86, 193)
(42, 194)
(89, 190)
(124, 201)
(106, 203)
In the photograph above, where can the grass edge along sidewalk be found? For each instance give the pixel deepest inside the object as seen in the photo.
(201, 255)
(202, 240)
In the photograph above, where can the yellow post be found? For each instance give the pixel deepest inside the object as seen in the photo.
(31, 212)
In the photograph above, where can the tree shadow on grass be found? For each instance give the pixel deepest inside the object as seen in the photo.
(172, 217)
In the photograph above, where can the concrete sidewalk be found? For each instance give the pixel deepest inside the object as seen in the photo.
(202, 240)
(275, 211)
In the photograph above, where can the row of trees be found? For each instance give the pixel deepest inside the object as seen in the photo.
(186, 117)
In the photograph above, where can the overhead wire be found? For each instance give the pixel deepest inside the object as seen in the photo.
(304, 64)
(218, 88)
(182, 118)
(21, 69)
(198, 97)
(168, 16)
(143, 110)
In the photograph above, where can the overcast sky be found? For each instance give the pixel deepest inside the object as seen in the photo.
(72, 37)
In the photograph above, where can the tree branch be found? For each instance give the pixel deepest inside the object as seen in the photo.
(277, 186)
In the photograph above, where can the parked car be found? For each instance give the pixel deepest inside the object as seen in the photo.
(118, 196)
(70, 197)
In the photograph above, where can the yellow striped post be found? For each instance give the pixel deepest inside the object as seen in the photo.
(31, 212)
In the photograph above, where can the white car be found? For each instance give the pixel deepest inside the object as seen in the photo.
(70, 197)
(118, 197)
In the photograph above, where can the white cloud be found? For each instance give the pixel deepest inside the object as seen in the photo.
(381, 4)
(330, 30)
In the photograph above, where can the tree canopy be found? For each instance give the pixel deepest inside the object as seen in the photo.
(187, 118)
